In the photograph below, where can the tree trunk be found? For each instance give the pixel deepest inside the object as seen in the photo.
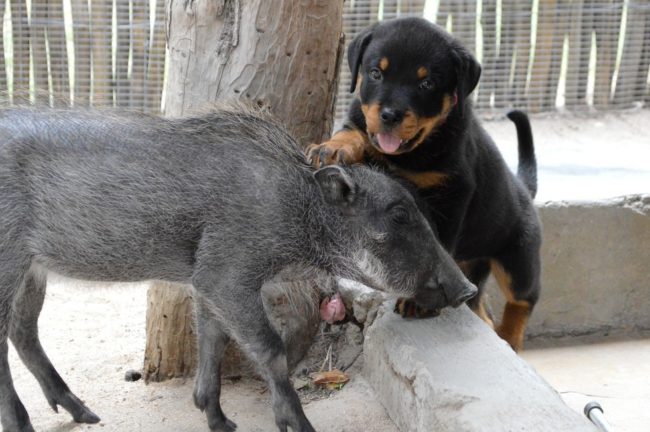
(171, 345)
(280, 55)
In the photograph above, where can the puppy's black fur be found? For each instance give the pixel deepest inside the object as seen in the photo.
(413, 116)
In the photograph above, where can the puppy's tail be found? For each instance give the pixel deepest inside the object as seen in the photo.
(527, 169)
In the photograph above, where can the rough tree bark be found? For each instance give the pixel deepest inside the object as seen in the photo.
(281, 55)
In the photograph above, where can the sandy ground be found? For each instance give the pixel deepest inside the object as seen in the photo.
(614, 373)
(94, 333)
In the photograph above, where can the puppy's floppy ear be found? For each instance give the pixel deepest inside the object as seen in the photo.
(355, 53)
(336, 185)
(468, 72)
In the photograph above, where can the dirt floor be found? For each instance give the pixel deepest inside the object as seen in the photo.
(94, 333)
(612, 370)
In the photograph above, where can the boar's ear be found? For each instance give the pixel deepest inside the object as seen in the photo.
(355, 53)
(337, 186)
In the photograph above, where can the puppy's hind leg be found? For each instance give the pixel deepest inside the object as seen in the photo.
(24, 335)
(518, 276)
(207, 388)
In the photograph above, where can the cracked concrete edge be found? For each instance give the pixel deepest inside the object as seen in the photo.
(452, 373)
(637, 202)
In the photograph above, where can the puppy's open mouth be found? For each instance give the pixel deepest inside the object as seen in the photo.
(391, 144)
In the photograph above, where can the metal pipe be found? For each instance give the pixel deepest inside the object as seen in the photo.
(595, 413)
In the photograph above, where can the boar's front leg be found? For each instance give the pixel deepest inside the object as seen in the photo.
(207, 388)
(234, 298)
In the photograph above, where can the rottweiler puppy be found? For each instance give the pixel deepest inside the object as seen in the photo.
(413, 117)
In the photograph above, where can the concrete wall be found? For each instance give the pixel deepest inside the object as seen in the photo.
(596, 268)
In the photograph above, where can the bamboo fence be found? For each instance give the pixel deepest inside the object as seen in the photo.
(539, 55)
(83, 53)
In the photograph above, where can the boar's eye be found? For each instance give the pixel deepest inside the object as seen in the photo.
(399, 215)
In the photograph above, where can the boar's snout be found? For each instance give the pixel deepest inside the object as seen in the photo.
(459, 293)
(447, 287)
(439, 295)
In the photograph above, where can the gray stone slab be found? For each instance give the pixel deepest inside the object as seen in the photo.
(452, 373)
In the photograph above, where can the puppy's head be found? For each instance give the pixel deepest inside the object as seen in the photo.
(411, 75)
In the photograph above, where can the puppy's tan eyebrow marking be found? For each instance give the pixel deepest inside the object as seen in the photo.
(383, 63)
(422, 72)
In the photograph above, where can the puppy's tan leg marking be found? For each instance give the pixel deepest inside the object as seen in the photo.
(516, 313)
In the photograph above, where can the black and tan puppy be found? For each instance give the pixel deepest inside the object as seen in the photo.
(412, 116)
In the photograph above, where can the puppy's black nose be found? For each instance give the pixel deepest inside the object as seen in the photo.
(390, 116)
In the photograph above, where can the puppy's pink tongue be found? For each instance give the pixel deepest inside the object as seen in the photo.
(388, 143)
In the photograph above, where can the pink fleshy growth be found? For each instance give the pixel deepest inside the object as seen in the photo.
(332, 309)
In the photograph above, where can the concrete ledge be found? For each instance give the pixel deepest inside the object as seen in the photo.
(452, 373)
(595, 258)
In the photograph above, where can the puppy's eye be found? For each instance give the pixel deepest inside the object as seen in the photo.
(399, 215)
(426, 85)
(375, 74)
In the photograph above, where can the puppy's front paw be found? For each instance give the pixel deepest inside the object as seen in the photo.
(330, 153)
(408, 308)
(345, 147)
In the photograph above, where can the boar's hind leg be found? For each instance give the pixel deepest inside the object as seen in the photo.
(207, 388)
(13, 415)
(24, 335)
(237, 303)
